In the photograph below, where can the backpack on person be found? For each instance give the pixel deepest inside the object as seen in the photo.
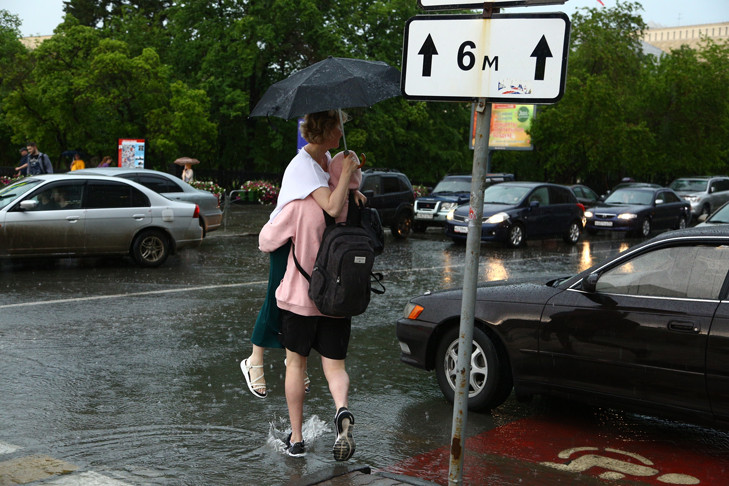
(341, 282)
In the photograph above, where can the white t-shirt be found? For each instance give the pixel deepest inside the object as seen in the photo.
(302, 176)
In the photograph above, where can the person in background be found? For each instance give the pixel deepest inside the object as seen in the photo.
(187, 174)
(22, 169)
(105, 162)
(38, 162)
(77, 163)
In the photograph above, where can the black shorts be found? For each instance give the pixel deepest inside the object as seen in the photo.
(328, 335)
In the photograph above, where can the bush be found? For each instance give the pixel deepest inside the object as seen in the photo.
(420, 191)
(209, 186)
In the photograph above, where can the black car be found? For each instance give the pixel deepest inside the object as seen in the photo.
(391, 194)
(647, 329)
(516, 211)
(639, 210)
(585, 196)
(449, 193)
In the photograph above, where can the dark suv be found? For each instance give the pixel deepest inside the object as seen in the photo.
(449, 193)
(392, 195)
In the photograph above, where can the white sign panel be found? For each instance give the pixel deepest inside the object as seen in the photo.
(506, 58)
(453, 4)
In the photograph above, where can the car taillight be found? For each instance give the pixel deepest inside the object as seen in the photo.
(196, 214)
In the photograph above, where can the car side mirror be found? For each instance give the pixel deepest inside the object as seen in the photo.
(533, 204)
(659, 202)
(589, 283)
(28, 204)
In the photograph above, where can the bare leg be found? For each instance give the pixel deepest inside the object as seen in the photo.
(338, 380)
(295, 367)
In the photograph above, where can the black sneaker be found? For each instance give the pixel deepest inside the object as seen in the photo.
(297, 449)
(344, 445)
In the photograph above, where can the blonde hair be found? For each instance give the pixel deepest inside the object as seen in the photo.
(317, 126)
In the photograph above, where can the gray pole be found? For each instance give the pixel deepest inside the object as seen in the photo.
(470, 282)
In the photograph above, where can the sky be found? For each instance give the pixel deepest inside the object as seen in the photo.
(40, 17)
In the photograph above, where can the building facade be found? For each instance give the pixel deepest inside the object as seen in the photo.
(667, 38)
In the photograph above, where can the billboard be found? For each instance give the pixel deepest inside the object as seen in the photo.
(131, 153)
(509, 123)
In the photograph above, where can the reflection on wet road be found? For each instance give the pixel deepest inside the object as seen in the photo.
(133, 373)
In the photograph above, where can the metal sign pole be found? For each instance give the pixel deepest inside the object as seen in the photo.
(470, 283)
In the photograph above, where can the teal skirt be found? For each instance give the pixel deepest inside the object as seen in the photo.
(268, 323)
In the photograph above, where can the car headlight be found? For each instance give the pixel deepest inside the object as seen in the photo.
(588, 214)
(412, 311)
(627, 216)
(692, 198)
(496, 218)
(447, 206)
(449, 216)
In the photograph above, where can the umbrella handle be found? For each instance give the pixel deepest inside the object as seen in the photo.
(363, 159)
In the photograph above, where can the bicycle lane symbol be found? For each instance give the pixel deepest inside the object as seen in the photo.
(615, 467)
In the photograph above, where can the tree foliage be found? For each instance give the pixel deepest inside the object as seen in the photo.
(184, 76)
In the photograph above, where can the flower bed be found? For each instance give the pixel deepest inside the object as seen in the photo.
(209, 186)
(263, 192)
(420, 191)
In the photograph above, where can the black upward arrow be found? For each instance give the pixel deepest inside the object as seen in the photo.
(428, 50)
(541, 52)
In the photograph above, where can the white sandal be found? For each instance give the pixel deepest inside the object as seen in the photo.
(253, 384)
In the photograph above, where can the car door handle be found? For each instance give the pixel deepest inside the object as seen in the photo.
(138, 217)
(684, 326)
(72, 219)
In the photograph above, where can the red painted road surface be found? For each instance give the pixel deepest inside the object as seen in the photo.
(541, 451)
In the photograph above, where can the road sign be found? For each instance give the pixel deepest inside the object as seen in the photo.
(455, 4)
(506, 58)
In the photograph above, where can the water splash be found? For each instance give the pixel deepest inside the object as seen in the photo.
(279, 430)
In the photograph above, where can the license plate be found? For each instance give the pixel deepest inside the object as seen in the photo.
(603, 223)
(423, 216)
(460, 229)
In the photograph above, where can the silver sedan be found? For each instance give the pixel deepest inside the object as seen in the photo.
(63, 215)
(170, 187)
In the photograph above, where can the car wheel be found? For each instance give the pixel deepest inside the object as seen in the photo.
(489, 383)
(645, 228)
(682, 223)
(515, 236)
(204, 227)
(419, 227)
(705, 212)
(151, 248)
(402, 225)
(573, 234)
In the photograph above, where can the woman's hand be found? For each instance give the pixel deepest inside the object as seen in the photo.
(359, 198)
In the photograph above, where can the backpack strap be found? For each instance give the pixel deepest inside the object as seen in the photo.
(296, 261)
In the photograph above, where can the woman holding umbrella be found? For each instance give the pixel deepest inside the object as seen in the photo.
(306, 178)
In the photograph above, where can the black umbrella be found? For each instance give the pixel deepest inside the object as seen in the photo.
(331, 84)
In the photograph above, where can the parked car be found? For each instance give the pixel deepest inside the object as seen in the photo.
(639, 210)
(585, 196)
(704, 193)
(170, 187)
(647, 329)
(449, 193)
(64, 215)
(391, 194)
(516, 211)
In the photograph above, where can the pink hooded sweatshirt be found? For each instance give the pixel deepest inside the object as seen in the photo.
(302, 220)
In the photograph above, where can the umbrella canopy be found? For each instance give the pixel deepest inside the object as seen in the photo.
(330, 84)
(186, 161)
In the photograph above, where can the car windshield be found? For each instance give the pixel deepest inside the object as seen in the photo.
(452, 185)
(692, 185)
(504, 194)
(14, 191)
(630, 196)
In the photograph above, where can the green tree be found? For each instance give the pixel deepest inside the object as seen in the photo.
(86, 92)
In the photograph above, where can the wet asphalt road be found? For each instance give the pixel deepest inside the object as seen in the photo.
(133, 373)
